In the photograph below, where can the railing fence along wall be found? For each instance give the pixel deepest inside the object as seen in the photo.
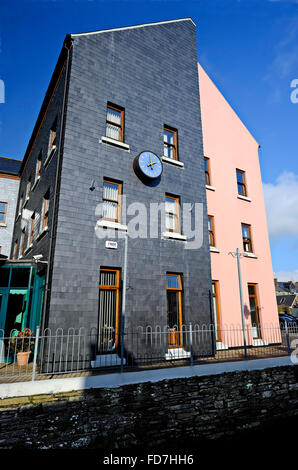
(37, 354)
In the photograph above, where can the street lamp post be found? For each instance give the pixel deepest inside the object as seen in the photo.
(237, 255)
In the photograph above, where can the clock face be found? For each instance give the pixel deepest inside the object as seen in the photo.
(148, 164)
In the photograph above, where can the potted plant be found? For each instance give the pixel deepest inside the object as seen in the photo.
(21, 345)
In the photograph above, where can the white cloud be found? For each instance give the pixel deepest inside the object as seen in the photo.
(281, 201)
(287, 275)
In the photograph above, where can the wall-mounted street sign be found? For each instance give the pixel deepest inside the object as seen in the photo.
(111, 244)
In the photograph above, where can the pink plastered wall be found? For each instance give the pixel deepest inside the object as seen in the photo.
(230, 146)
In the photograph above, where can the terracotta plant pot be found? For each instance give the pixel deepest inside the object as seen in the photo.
(23, 358)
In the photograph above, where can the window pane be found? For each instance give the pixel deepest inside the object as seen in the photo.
(209, 223)
(205, 164)
(113, 132)
(108, 278)
(114, 116)
(110, 191)
(240, 178)
(241, 189)
(2, 207)
(173, 309)
(107, 320)
(20, 277)
(173, 282)
(2, 216)
(170, 222)
(168, 151)
(245, 231)
(168, 137)
(110, 210)
(4, 277)
(251, 290)
(171, 205)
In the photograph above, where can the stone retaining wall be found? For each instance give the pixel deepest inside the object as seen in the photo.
(150, 414)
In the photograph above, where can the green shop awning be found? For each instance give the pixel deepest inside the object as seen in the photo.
(18, 291)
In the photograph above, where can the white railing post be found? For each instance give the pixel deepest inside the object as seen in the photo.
(35, 353)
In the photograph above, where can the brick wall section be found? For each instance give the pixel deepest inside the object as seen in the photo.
(149, 414)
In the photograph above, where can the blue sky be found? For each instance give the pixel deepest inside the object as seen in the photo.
(248, 47)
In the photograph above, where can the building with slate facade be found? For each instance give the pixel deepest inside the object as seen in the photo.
(119, 133)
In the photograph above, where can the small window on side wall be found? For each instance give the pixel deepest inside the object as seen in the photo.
(53, 136)
(28, 189)
(112, 191)
(44, 213)
(241, 183)
(170, 143)
(246, 237)
(38, 167)
(115, 122)
(172, 213)
(31, 230)
(22, 242)
(207, 171)
(3, 212)
(211, 230)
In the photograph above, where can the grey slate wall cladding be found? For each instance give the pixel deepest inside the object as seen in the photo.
(46, 182)
(8, 193)
(151, 72)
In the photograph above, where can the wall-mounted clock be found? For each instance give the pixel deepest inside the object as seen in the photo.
(147, 165)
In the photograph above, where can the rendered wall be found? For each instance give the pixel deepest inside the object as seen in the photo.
(229, 145)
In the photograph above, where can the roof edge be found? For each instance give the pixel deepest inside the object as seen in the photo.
(228, 103)
(143, 25)
(46, 100)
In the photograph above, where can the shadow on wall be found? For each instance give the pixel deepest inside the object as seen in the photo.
(246, 312)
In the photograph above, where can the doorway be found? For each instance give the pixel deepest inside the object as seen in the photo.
(174, 310)
(254, 311)
(108, 316)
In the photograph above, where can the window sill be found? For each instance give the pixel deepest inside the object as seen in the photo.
(211, 188)
(50, 154)
(3, 224)
(28, 249)
(45, 230)
(175, 235)
(244, 198)
(110, 224)
(172, 161)
(35, 183)
(114, 142)
(249, 255)
(214, 250)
